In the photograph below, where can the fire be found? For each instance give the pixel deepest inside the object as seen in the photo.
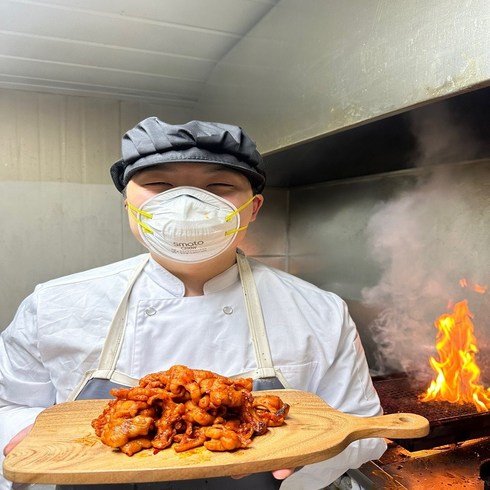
(477, 288)
(457, 373)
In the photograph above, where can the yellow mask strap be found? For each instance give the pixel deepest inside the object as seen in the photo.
(134, 211)
(234, 213)
(229, 232)
(243, 206)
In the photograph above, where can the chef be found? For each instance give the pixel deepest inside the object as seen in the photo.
(190, 192)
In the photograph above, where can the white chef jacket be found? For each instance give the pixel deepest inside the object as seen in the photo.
(59, 330)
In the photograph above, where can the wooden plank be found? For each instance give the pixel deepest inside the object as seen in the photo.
(63, 449)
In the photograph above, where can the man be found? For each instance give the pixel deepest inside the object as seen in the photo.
(191, 192)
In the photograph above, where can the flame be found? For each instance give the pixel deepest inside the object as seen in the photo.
(477, 288)
(457, 374)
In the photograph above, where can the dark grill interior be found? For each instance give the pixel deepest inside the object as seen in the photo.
(449, 423)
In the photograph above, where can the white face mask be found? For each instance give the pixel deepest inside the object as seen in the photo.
(187, 224)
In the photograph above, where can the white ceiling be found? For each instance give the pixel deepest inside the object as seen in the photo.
(158, 50)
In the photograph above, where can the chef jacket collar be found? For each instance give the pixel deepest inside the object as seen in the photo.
(173, 285)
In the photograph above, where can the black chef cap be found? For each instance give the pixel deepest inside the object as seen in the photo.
(153, 142)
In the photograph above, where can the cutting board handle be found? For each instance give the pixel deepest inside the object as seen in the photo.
(395, 425)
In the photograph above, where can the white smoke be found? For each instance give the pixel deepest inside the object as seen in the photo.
(425, 241)
(442, 136)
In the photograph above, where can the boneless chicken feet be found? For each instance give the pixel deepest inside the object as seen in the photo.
(187, 408)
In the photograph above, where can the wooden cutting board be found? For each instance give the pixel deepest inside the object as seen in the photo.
(62, 447)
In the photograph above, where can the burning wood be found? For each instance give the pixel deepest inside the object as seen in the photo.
(457, 373)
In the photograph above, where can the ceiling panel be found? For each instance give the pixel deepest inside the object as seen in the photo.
(232, 16)
(123, 31)
(52, 50)
(100, 77)
(149, 49)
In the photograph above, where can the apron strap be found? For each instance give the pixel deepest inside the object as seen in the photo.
(255, 320)
(113, 342)
(115, 336)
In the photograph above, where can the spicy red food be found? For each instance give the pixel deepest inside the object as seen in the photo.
(187, 408)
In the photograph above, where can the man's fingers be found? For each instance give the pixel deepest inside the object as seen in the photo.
(16, 439)
(278, 474)
(282, 474)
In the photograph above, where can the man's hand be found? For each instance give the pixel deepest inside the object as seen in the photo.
(16, 439)
(277, 474)
(282, 474)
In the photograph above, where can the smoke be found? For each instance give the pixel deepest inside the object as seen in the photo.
(443, 136)
(425, 240)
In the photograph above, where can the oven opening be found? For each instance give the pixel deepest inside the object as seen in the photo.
(451, 390)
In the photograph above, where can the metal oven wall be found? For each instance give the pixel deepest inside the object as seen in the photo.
(311, 68)
(396, 244)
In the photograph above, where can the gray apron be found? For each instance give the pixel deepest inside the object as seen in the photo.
(97, 383)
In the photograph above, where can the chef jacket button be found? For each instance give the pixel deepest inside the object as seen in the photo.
(150, 311)
(227, 310)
